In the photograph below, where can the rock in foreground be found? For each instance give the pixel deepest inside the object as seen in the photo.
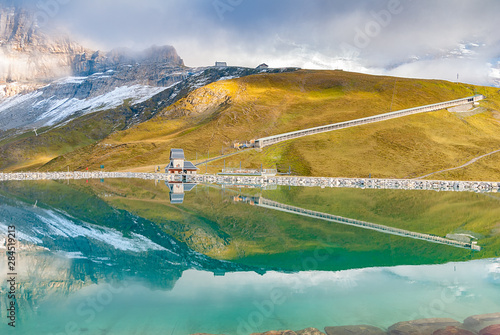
(478, 322)
(491, 330)
(350, 330)
(422, 326)
(453, 331)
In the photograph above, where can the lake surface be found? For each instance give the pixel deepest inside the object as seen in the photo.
(125, 257)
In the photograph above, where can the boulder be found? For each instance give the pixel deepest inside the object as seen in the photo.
(277, 332)
(350, 330)
(422, 326)
(491, 330)
(453, 331)
(478, 322)
(309, 331)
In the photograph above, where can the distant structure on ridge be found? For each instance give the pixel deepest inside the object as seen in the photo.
(262, 66)
(220, 64)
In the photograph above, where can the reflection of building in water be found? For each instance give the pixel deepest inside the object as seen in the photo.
(178, 163)
(177, 190)
(245, 199)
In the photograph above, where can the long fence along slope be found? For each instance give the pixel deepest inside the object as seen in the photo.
(266, 141)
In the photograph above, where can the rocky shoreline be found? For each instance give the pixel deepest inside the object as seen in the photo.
(485, 324)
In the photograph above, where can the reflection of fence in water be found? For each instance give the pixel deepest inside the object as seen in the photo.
(266, 203)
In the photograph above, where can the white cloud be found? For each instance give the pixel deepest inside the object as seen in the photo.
(314, 31)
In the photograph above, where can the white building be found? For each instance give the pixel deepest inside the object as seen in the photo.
(178, 164)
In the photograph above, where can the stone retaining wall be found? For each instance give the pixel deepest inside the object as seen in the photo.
(263, 181)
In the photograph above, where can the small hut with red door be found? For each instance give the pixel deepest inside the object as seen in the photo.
(178, 164)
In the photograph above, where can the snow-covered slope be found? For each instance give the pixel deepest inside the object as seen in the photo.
(71, 97)
(75, 96)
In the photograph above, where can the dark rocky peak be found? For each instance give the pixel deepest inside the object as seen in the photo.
(87, 64)
(162, 54)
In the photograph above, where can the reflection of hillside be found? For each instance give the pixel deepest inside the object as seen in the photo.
(60, 254)
(211, 223)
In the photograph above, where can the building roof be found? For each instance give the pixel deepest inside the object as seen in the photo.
(262, 65)
(176, 154)
(187, 186)
(176, 198)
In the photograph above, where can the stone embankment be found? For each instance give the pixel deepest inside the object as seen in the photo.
(487, 324)
(363, 183)
(81, 175)
(263, 181)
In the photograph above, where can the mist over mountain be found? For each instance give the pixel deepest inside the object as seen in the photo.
(31, 56)
(46, 77)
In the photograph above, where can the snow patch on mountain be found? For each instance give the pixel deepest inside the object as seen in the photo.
(61, 109)
(70, 97)
(17, 100)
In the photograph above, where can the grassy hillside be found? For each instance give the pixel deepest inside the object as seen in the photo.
(211, 118)
(29, 152)
(20, 152)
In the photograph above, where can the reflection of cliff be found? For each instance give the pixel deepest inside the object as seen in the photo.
(39, 274)
(43, 274)
(61, 254)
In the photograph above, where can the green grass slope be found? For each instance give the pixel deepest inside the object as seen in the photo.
(213, 117)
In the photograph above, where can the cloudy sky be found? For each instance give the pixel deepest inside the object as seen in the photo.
(415, 38)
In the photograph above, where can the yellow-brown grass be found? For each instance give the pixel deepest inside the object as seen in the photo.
(215, 116)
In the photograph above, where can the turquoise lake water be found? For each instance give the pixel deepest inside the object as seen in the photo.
(246, 302)
(114, 259)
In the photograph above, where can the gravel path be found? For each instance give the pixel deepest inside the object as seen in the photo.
(461, 166)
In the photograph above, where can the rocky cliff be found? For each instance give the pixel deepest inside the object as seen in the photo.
(29, 55)
(87, 64)
(46, 78)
